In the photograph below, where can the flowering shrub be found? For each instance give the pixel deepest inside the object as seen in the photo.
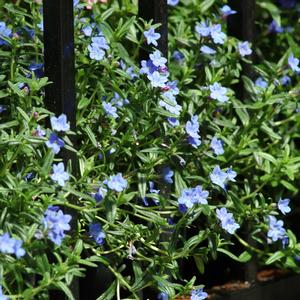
(173, 163)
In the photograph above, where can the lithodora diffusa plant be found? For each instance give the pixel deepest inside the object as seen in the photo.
(172, 163)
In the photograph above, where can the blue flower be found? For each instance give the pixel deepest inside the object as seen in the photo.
(283, 205)
(4, 32)
(274, 27)
(220, 178)
(276, 230)
(285, 80)
(37, 69)
(96, 52)
(218, 92)
(55, 143)
(116, 182)
(2, 297)
(244, 48)
(227, 220)
(293, 63)
(173, 2)
(173, 122)
(2, 108)
(227, 11)
(192, 129)
(95, 231)
(151, 36)
(217, 146)
(207, 50)
(39, 131)
(172, 107)
(157, 79)
(287, 3)
(203, 29)
(148, 67)
(56, 223)
(217, 35)
(198, 294)
(167, 175)
(60, 123)
(110, 109)
(157, 59)
(260, 82)
(100, 42)
(99, 196)
(10, 245)
(178, 56)
(75, 3)
(152, 189)
(59, 174)
(162, 295)
(231, 174)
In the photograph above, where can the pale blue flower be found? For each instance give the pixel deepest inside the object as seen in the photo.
(173, 2)
(157, 79)
(198, 294)
(203, 29)
(218, 177)
(96, 52)
(192, 129)
(2, 297)
(4, 32)
(293, 63)
(283, 205)
(151, 36)
(218, 92)
(110, 109)
(276, 231)
(207, 50)
(231, 174)
(191, 196)
(116, 182)
(87, 30)
(167, 175)
(56, 223)
(59, 174)
(60, 123)
(100, 42)
(217, 35)
(157, 59)
(161, 295)
(96, 232)
(227, 11)
(39, 131)
(260, 82)
(55, 143)
(217, 146)
(173, 108)
(227, 220)
(244, 48)
(275, 28)
(9, 245)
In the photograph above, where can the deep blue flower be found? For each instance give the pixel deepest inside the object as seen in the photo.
(60, 123)
(293, 63)
(217, 35)
(287, 3)
(110, 109)
(5, 32)
(275, 28)
(192, 129)
(148, 67)
(218, 92)
(37, 69)
(152, 189)
(217, 146)
(2, 109)
(260, 82)
(59, 174)
(55, 143)
(29, 176)
(283, 205)
(285, 80)
(173, 3)
(173, 122)
(56, 223)
(162, 295)
(116, 182)
(167, 175)
(203, 29)
(198, 294)
(10, 245)
(207, 50)
(178, 56)
(151, 36)
(227, 220)
(99, 196)
(95, 231)
(227, 11)
(276, 230)
(244, 48)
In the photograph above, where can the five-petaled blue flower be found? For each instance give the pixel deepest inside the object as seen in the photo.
(157, 59)
(203, 29)
(151, 36)
(217, 146)
(10, 245)
(220, 178)
(207, 50)
(95, 231)
(217, 35)
(276, 231)
(283, 205)
(60, 123)
(218, 92)
(55, 143)
(293, 63)
(157, 79)
(59, 174)
(198, 294)
(244, 48)
(227, 220)
(260, 82)
(56, 223)
(110, 109)
(116, 182)
(192, 129)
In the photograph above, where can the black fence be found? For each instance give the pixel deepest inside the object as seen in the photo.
(61, 95)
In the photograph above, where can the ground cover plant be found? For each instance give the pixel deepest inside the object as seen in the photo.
(173, 163)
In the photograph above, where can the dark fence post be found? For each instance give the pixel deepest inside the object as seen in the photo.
(157, 10)
(59, 68)
(242, 26)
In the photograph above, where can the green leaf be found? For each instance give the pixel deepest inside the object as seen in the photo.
(109, 293)
(276, 256)
(65, 289)
(244, 257)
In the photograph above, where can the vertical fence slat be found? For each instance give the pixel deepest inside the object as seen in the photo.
(242, 26)
(59, 68)
(158, 11)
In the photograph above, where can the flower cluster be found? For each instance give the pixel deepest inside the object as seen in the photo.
(97, 47)
(56, 223)
(191, 196)
(9, 245)
(227, 220)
